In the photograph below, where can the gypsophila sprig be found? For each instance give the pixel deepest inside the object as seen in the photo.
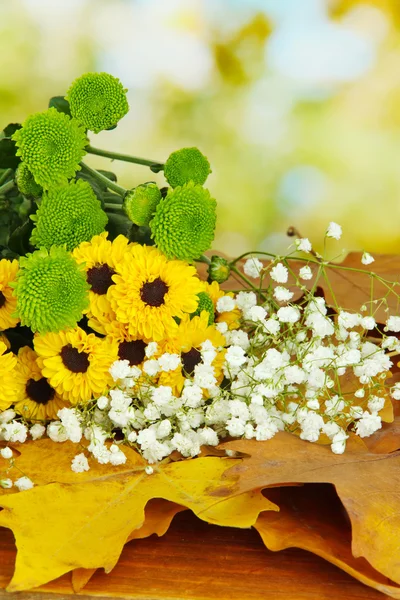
(97, 100)
(184, 222)
(51, 290)
(187, 164)
(51, 144)
(68, 214)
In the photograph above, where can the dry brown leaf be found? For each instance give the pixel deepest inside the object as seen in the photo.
(311, 518)
(367, 484)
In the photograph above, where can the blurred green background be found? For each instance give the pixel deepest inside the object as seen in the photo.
(296, 103)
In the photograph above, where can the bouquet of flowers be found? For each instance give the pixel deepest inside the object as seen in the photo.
(135, 364)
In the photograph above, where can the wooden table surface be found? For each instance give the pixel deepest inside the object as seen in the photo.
(198, 561)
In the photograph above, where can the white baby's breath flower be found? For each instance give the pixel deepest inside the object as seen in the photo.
(225, 304)
(393, 324)
(151, 349)
(151, 367)
(169, 362)
(102, 402)
(37, 431)
(23, 483)
(288, 314)
(282, 294)
(79, 463)
(256, 314)
(367, 259)
(119, 369)
(253, 267)
(303, 245)
(279, 273)
(305, 273)
(6, 452)
(6, 484)
(334, 231)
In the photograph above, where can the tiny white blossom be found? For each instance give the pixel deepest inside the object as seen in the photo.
(253, 267)
(256, 314)
(305, 273)
(151, 367)
(282, 294)
(334, 231)
(338, 445)
(208, 436)
(368, 424)
(169, 362)
(395, 391)
(7, 415)
(222, 327)
(161, 395)
(56, 431)
(368, 323)
(376, 403)
(6, 452)
(37, 431)
(225, 304)
(360, 393)
(119, 369)
(80, 463)
(288, 314)
(149, 470)
(235, 356)
(303, 245)
(23, 483)
(279, 273)
(367, 259)
(102, 402)
(132, 437)
(151, 349)
(393, 324)
(15, 432)
(6, 483)
(272, 326)
(246, 300)
(117, 457)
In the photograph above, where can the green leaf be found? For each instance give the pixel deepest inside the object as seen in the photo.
(19, 337)
(117, 224)
(8, 158)
(60, 104)
(141, 235)
(19, 239)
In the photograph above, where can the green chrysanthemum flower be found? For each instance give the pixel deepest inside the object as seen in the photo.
(51, 145)
(68, 214)
(26, 183)
(141, 202)
(219, 269)
(205, 303)
(97, 100)
(51, 290)
(187, 164)
(184, 222)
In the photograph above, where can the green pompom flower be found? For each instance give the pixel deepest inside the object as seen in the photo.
(184, 222)
(205, 303)
(68, 214)
(187, 164)
(219, 269)
(97, 100)
(51, 144)
(51, 290)
(26, 183)
(141, 202)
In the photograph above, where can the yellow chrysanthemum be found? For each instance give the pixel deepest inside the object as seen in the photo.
(8, 302)
(101, 257)
(37, 399)
(231, 318)
(76, 363)
(150, 291)
(10, 385)
(130, 347)
(187, 342)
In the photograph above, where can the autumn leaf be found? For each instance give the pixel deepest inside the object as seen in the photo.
(70, 520)
(367, 484)
(159, 514)
(312, 518)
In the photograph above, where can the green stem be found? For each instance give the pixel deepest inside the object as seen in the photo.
(6, 187)
(5, 176)
(154, 165)
(111, 185)
(203, 259)
(113, 206)
(249, 283)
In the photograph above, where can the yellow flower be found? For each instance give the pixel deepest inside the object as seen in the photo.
(231, 318)
(37, 399)
(101, 257)
(10, 385)
(187, 342)
(130, 347)
(150, 291)
(8, 302)
(76, 363)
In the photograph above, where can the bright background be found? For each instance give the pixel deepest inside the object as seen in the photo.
(296, 103)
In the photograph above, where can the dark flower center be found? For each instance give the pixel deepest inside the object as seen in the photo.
(75, 361)
(190, 360)
(153, 292)
(100, 278)
(2, 299)
(133, 352)
(39, 391)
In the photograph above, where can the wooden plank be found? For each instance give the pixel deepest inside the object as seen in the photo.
(198, 561)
